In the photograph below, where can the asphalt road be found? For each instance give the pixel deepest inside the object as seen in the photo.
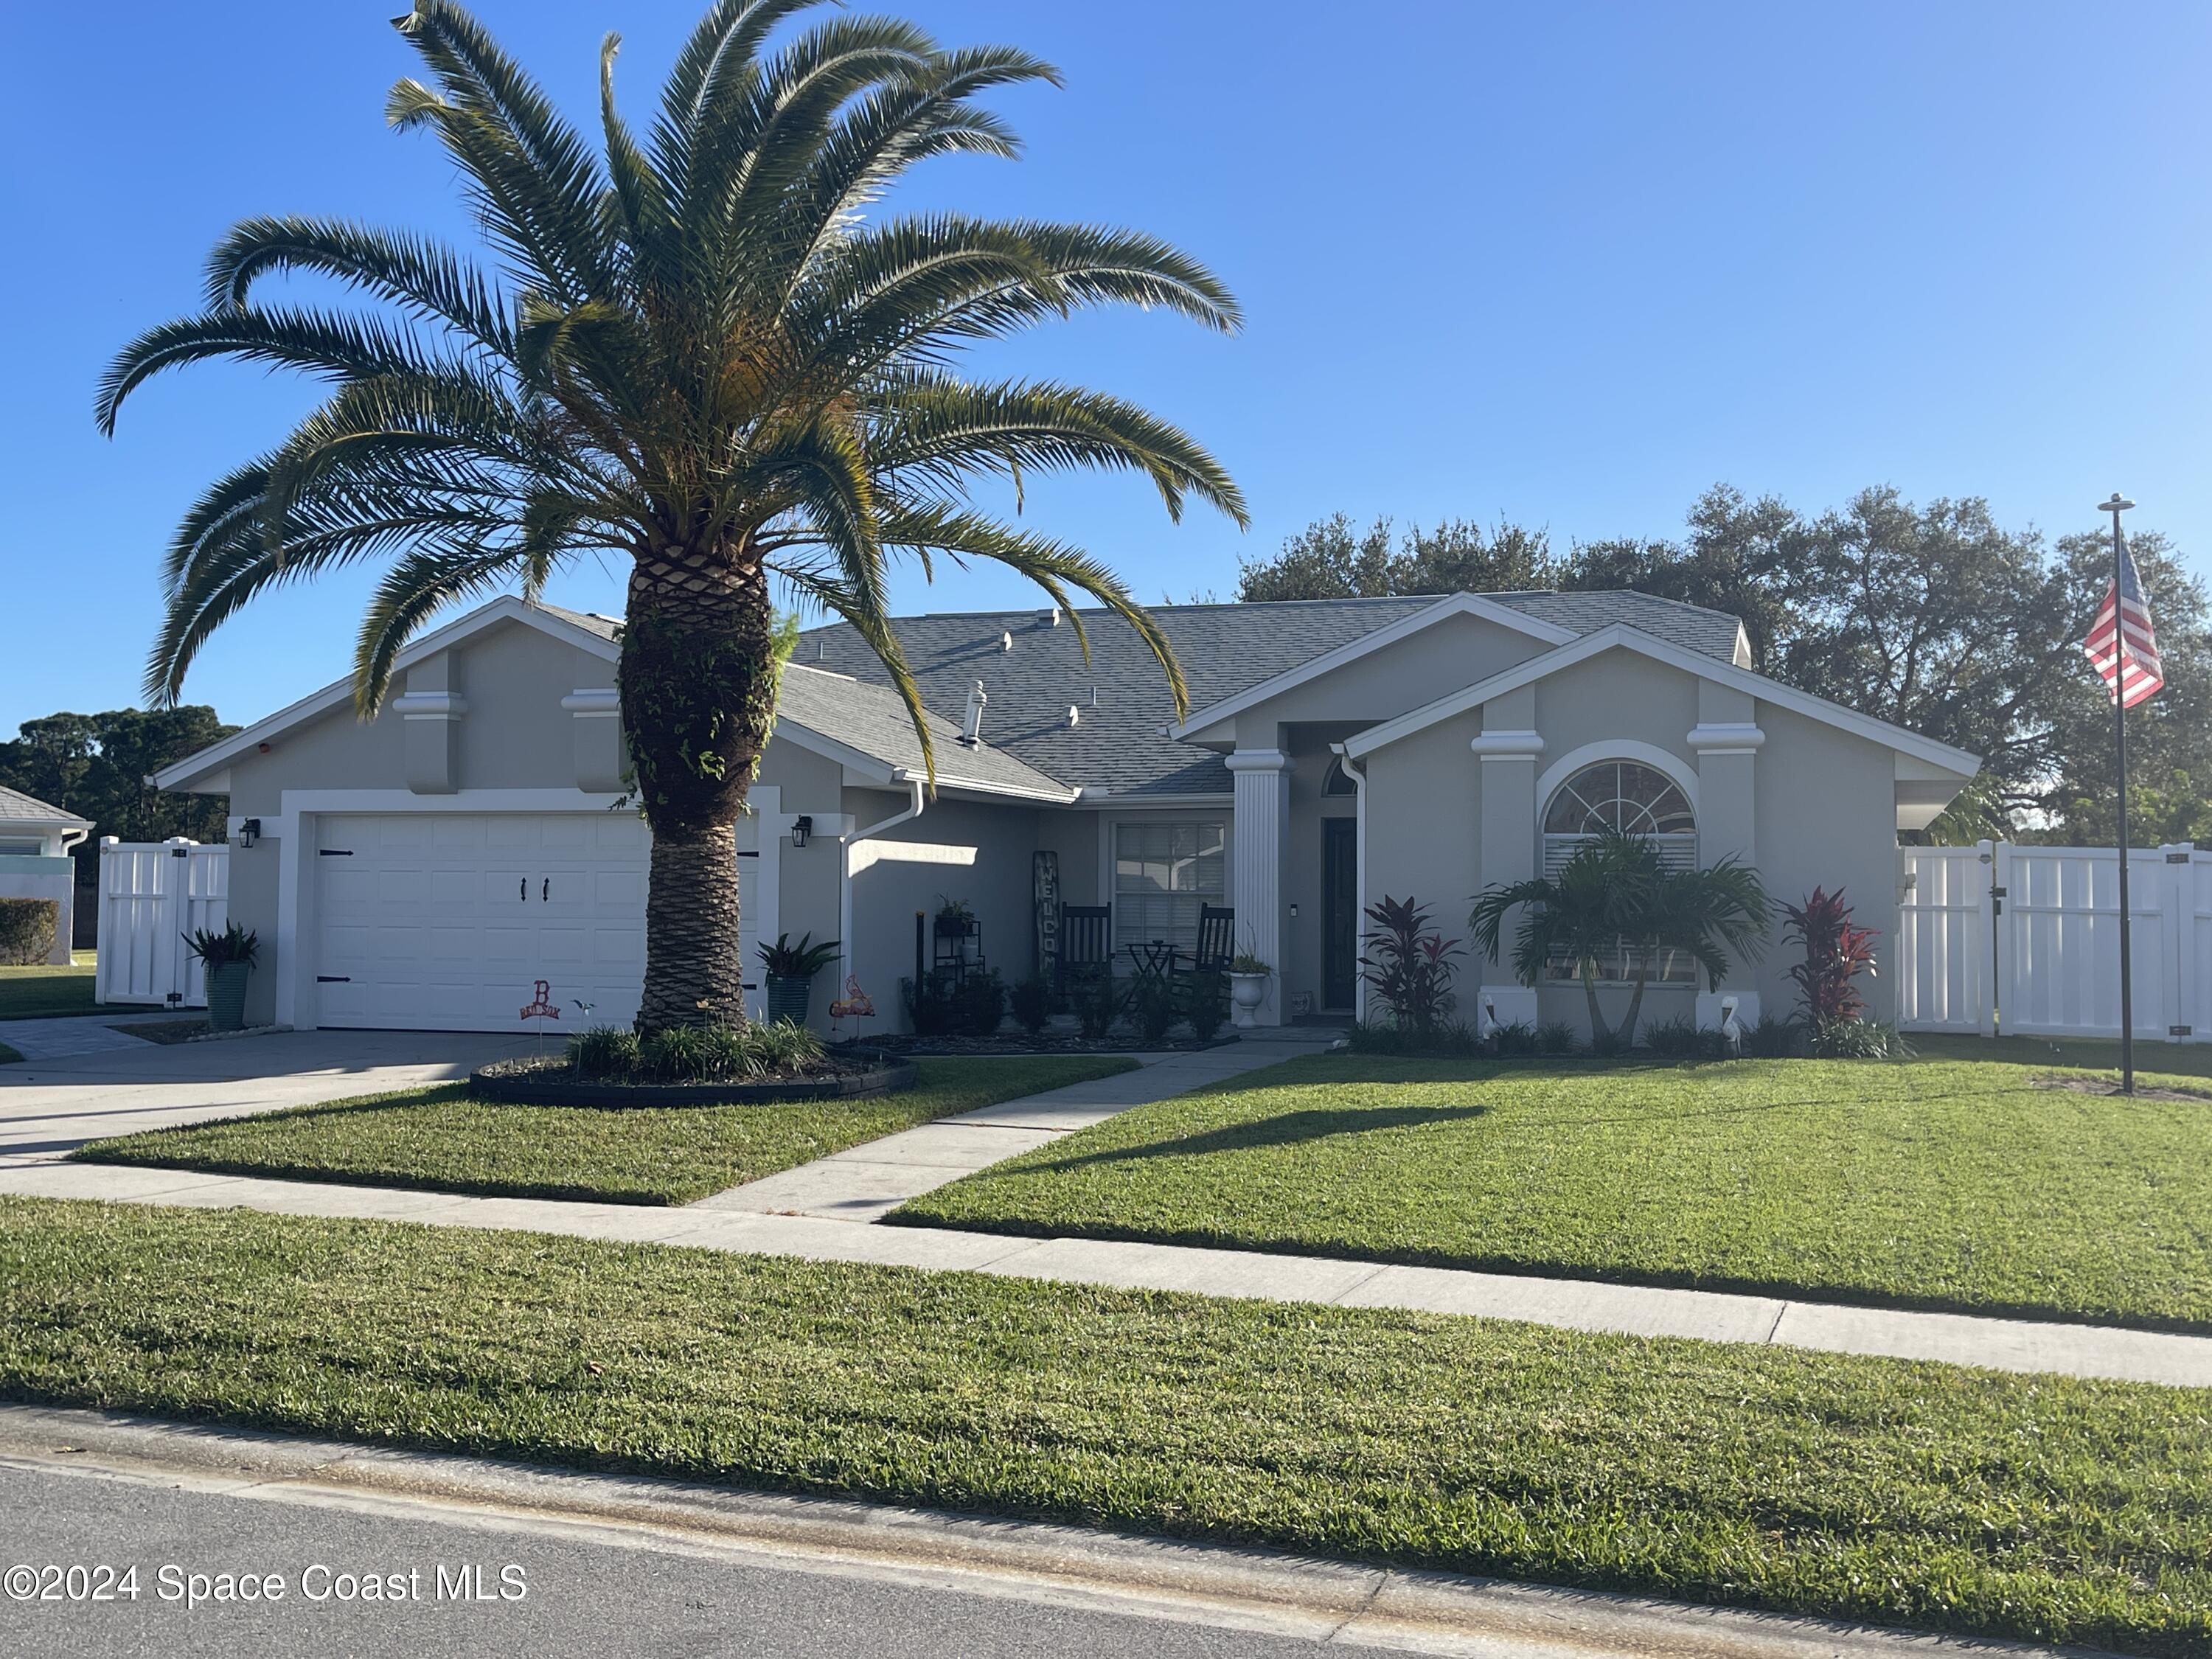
(465, 1586)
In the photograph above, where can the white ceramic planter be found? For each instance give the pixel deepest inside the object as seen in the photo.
(1246, 993)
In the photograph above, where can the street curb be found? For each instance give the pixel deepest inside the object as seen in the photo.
(1338, 1602)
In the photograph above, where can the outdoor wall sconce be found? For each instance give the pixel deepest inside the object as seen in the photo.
(802, 831)
(249, 831)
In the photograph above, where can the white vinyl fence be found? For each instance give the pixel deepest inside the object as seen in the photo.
(152, 894)
(2025, 940)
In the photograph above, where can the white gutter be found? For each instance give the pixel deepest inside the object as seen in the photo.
(915, 807)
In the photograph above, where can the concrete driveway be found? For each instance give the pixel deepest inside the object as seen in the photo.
(49, 1107)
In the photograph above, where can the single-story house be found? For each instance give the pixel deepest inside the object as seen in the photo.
(35, 861)
(422, 870)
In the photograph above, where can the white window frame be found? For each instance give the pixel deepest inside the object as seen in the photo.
(1109, 830)
(1678, 850)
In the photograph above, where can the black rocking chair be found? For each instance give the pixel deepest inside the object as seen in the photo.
(1217, 940)
(1086, 933)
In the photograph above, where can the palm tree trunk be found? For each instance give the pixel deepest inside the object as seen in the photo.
(1601, 1033)
(694, 973)
(1626, 1037)
(698, 696)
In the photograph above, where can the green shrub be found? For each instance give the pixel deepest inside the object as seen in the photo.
(1206, 1004)
(605, 1051)
(1774, 1037)
(1097, 1006)
(1453, 1042)
(27, 927)
(1679, 1038)
(1032, 1003)
(933, 1009)
(1858, 1039)
(981, 1002)
(681, 1054)
(1154, 1006)
(1556, 1036)
(1515, 1039)
(778, 1046)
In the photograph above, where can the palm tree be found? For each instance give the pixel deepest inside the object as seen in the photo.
(1616, 894)
(700, 349)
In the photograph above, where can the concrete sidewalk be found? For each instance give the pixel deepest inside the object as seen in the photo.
(67, 1036)
(866, 1182)
(1636, 1310)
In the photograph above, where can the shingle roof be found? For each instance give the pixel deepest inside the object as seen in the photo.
(1117, 743)
(873, 719)
(16, 807)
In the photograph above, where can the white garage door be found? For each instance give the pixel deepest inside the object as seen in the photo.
(445, 921)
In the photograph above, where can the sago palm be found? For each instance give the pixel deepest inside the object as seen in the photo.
(700, 349)
(1617, 894)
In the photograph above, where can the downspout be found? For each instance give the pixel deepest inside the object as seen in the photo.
(1356, 771)
(845, 865)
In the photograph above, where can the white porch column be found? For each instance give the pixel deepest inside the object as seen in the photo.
(1262, 819)
(1507, 751)
(1726, 740)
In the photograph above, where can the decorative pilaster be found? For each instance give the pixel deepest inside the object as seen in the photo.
(1726, 741)
(596, 734)
(431, 710)
(1507, 854)
(1263, 797)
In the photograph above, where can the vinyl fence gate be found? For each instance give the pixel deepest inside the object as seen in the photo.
(2025, 941)
(152, 894)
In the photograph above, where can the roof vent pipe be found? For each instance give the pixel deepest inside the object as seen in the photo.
(1051, 617)
(1074, 715)
(1006, 640)
(1094, 696)
(971, 724)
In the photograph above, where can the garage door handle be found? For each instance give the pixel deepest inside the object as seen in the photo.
(545, 893)
(333, 979)
(522, 890)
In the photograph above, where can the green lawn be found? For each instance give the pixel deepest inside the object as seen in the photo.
(42, 993)
(2176, 1063)
(1871, 1489)
(442, 1139)
(1941, 1183)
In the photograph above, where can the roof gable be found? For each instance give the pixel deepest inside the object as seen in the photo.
(1351, 651)
(1621, 637)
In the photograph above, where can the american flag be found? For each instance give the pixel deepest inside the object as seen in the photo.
(2121, 645)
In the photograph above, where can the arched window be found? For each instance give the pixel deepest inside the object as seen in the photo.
(1338, 781)
(1638, 800)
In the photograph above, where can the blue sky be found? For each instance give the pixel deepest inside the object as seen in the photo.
(1567, 263)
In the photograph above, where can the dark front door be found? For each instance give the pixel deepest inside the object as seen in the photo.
(1340, 910)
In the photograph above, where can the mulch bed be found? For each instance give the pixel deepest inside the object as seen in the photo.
(1045, 1043)
(852, 1075)
(167, 1031)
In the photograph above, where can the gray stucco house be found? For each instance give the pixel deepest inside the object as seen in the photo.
(420, 871)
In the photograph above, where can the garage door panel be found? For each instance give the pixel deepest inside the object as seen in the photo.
(444, 920)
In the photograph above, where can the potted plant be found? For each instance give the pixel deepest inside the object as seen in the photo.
(227, 960)
(791, 971)
(954, 919)
(1248, 987)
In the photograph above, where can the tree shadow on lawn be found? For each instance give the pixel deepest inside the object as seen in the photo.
(1285, 1129)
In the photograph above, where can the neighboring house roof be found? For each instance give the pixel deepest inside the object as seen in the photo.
(18, 810)
(1119, 742)
(1623, 637)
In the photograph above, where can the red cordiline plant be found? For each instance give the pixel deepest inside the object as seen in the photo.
(1836, 953)
(1407, 963)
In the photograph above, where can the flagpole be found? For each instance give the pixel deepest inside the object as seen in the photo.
(2117, 505)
